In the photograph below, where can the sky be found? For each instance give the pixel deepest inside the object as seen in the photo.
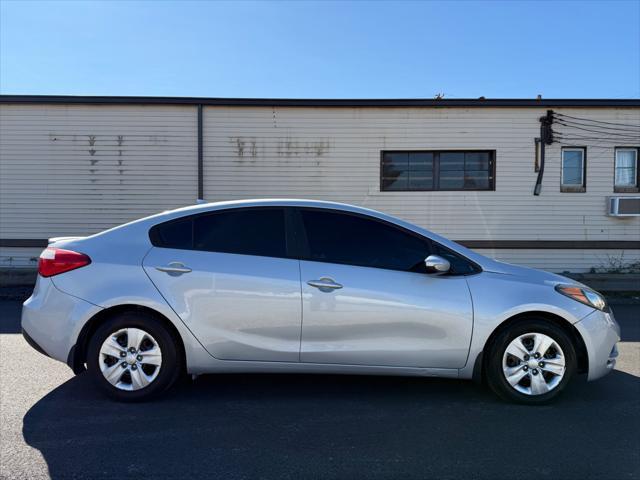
(463, 49)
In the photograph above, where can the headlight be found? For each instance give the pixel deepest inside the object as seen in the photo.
(583, 295)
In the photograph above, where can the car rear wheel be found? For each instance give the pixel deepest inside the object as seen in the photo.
(133, 357)
(531, 362)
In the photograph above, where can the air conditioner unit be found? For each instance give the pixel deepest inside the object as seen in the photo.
(623, 206)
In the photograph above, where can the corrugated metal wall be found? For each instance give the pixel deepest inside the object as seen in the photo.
(78, 169)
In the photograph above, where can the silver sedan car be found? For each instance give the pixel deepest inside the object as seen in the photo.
(307, 286)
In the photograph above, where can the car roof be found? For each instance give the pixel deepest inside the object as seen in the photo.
(281, 202)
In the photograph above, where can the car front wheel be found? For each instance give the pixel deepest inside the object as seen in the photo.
(531, 362)
(133, 357)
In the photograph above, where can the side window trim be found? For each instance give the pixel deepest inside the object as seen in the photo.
(293, 233)
(299, 234)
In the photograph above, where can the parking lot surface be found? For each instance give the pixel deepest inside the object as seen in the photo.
(55, 425)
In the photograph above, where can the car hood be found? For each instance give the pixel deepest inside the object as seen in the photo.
(531, 274)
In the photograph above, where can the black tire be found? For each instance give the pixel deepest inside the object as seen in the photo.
(494, 368)
(171, 366)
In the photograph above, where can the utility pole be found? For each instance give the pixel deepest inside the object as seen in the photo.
(546, 138)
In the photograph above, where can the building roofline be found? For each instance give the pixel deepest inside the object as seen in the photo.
(317, 102)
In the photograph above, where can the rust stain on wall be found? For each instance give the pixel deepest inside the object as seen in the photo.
(120, 143)
(287, 147)
(245, 145)
(240, 145)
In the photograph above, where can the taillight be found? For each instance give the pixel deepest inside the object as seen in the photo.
(54, 261)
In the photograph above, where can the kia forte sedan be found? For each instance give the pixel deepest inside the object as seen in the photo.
(307, 286)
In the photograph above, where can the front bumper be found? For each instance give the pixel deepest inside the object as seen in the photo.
(600, 333)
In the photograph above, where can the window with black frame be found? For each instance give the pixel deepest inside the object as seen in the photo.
(437, 170)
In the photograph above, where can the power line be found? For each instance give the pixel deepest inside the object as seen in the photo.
(613, 141)
(597, 121)
(591, 128)
(600, 132)
(604, 127)
(598, 136)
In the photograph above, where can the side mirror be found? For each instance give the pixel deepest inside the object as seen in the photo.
(437, 265)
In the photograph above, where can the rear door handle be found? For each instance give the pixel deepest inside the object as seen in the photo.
(174, 269)
(324, 284)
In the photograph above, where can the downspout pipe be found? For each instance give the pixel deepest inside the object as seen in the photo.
(200, 158)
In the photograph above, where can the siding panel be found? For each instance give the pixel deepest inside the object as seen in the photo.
(330, 153)
(80, 169)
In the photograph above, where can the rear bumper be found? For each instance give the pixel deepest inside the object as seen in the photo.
(32, 343)
(600, 333)
(52, 320)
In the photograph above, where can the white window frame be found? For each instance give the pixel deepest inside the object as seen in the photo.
(583, 151)
(615, 166)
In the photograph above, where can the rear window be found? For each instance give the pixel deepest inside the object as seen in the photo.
(259, 231)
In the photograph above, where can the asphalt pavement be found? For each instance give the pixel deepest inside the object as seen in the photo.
(55, 425)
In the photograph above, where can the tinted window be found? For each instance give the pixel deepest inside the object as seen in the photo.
(174, 234)
(437, 170)
(343, 238)
(248, 232)
(407, 171)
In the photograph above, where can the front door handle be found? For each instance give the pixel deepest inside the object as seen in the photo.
(174, 269)
(324, 284)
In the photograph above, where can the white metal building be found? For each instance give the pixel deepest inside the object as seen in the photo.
(466, 169)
